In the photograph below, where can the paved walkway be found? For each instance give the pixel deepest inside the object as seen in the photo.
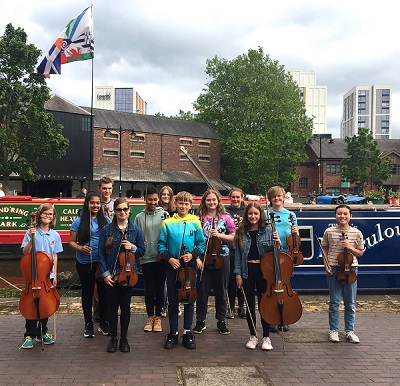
(309, 358)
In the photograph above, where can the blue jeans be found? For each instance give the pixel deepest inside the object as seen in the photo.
(337, 292)
(188, 309)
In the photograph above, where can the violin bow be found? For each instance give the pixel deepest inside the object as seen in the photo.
(204, 257)
(324, 258)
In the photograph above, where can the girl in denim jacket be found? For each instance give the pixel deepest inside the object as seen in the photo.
(253, 239)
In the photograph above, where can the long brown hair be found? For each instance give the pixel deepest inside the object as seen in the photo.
(202, 210)
(245, 225)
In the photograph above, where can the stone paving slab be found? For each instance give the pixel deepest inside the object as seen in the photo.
(311, 360)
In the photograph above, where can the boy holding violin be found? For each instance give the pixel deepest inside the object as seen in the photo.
(342, 244)
(284, 226)
(181, 242)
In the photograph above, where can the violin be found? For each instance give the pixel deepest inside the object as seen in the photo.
(345, 259)
(213, 254)
(39, 299)
(126, 259)
(293, 241)
(279, 303)
(186, 277)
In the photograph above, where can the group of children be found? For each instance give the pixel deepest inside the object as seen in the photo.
(163, 240)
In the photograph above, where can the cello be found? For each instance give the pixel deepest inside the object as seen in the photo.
(39, 299)
(127, 276)
(213, 253)
(293, 241)
(279, 303)
(186, 277)
(345, 260)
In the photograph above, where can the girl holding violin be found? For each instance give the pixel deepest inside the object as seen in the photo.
(181, 244)
(119, 242)
(46, 240)
(338, 242)
(253, 239)
(218, 229)
(84, 239)
(236, 210)
(286, 225)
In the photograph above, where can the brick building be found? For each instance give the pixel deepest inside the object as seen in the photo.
(321, 172)
(150, 153)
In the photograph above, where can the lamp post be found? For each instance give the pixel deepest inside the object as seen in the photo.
(108, 135)
(322, 138)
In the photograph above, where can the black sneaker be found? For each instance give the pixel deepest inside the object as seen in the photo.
(105, 330)
(112, 345)
(285, 328)
(171, 341)
(124, 345)
(89, 332)
(273, 328)
(189, 341)
(199, 327)
(222, 329)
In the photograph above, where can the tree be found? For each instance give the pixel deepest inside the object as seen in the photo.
(364, 164)
(256, 109)
(26, 134)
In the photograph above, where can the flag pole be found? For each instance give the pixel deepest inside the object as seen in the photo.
(91, 136)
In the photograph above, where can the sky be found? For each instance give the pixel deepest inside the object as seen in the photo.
(161, 47)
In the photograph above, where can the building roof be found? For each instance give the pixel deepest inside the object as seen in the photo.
(57, 103)
(139, 122)
(151, 124)
(336, 149)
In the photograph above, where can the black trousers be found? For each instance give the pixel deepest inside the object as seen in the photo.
(119, 297)
(254, 280)
(86, 273)
(154, 281)
(216, 279)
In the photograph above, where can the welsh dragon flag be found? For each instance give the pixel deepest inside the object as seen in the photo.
(75, 43)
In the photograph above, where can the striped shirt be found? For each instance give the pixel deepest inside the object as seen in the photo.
(332, 238)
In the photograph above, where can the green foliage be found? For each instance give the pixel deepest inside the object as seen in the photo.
(364, 164)
(26, 134)
(255, 108)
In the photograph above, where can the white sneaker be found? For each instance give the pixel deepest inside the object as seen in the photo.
(352, 337)
(333, 336)
(252, 343)
(266, 344)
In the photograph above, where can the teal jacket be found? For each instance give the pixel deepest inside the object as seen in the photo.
(150, 224)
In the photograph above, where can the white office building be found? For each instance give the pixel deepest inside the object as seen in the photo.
(123, 99)
(368, 107)
(314, 98)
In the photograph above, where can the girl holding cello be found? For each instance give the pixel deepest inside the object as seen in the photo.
(46, 240)
(253, 239)
(337, 241)
(218, 229)
(84, 239)
(116, 239)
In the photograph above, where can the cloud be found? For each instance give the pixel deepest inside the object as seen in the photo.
(161, 48)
